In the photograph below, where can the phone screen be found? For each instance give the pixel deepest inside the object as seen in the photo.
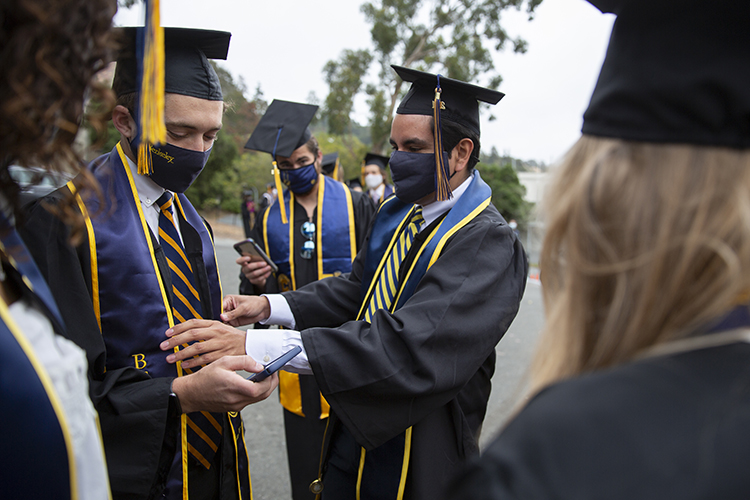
(275, 365)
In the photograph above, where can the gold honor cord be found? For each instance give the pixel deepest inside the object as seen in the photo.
(93, 259)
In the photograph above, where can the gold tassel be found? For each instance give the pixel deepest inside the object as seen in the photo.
(153, 130)
(279, 192)
(336, 170)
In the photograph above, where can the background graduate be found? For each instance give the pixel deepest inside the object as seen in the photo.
(403, 348)
(374, 171)
(328, 227)
(641, 378)
(147, 262)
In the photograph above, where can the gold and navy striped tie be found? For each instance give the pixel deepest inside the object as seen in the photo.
(385, 289)
(203, 428)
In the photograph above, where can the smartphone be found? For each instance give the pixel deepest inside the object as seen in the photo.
(249, 247)
(275, 365)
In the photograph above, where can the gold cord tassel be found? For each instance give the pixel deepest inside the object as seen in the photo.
(443, 187)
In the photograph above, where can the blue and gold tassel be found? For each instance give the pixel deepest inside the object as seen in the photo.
(442, 177)
(151, 105)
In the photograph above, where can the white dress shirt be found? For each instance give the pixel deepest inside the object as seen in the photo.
(148, 193)
(267, 345)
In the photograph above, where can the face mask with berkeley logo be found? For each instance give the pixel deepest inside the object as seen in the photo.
(175, 168)
(414, 174)
(300, 180)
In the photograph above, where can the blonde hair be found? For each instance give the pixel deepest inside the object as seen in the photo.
(645, 243)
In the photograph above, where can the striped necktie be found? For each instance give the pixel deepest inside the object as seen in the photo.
(203, 428)
(385, 289)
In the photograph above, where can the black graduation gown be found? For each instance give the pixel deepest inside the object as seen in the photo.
(304, 435)
(429, 364)
(139, 424)
(667, 427)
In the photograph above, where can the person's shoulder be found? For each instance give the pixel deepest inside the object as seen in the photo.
(362, 201)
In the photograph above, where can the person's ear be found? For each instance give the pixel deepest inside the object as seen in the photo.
(461, 154)
(124, 122)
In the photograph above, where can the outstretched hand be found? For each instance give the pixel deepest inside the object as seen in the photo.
(218, 388)
(242, 310)
(218, 340)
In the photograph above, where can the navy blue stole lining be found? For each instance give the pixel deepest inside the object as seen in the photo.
(333, 236)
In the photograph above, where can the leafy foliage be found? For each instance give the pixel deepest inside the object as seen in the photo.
(507, 192)
(344, 79)
(455, 37)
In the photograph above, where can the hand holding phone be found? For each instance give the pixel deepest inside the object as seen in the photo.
(275, 365)
(250, 248)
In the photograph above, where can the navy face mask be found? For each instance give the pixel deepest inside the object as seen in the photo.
(414, 174)
(175, 168)
(300, 180)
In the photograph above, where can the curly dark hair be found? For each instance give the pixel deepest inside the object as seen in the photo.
(49, 52)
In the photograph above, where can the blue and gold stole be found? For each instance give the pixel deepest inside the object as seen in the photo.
(336, 248)
(392, 217)
(131, 300)
(31, 411)
(335, 236)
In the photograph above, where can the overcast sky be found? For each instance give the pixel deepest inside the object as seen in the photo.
(282, 46)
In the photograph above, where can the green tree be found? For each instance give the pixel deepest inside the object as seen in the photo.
(455, 37)
(507, 192)
(344, 79)
(221, 183)
(350, 149)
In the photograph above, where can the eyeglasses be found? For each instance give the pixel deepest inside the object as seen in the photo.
(308, 247)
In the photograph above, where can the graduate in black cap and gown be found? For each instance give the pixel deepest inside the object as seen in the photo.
(315, 233)
(331, 167)
(146, 263)
(641, 381)
(373, 173)
(403, 347)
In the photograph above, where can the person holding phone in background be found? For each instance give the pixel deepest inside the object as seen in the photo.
(146, 263)
(329, 225)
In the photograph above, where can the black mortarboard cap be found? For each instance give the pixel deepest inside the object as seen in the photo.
(354, 182)
(329, 163)
(186, 55)
(379, 160)
(283, 128)
(460, 98)
(676, 71)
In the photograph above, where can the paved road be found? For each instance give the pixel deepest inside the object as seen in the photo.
(265, 430)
